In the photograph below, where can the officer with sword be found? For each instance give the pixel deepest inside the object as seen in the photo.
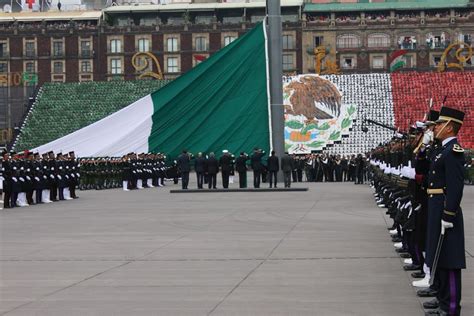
(445, 236)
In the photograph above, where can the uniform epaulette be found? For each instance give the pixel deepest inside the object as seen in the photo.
(458, 149)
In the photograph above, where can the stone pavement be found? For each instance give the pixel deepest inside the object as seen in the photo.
(321, 252)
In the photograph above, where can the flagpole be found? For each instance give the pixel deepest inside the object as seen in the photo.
(276, 74)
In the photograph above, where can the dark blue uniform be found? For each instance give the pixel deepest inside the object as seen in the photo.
(445, 188)
(446, 172)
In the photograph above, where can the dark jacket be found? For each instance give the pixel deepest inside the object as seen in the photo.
(226, 163)
(287, 163)
(212, 165)
(256, 161)
(200, 164)
(241, 163)
(184, 163)
(446, 173)
(273, 164)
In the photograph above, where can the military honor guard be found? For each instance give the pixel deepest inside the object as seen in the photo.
(445, 249)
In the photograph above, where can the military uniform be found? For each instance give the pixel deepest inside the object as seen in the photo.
(445, 189)
(241, 168)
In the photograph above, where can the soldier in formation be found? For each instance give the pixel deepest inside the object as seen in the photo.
(28, 178)
(419, 179)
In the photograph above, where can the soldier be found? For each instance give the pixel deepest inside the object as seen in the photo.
(75, 176)
(421, 167)
(273, 166)
(287, 165)
(7, 180)
(199, 167)
(29, 178)
(359, 170)
(338, 168)
(163, 169)
(184, 166)
(241, 167)
(227, 166)
(212, 166)
(294, 173)
(257, 166)
(445, 188)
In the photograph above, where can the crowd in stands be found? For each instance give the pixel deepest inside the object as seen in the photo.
(462, 14)
(438, 15)
(375, 16)
(347, 17)
(411, 15)
(318, 18)
(52, 25)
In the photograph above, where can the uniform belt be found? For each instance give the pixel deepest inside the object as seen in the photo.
(435, 191)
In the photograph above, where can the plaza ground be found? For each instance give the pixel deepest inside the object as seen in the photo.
(322, 252)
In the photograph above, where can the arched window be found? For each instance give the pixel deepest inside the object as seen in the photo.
(378, 40)
(348, 41)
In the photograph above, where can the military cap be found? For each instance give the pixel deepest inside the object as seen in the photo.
(432, 117)
(449, 114)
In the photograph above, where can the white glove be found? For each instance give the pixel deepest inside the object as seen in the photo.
(445, 225)
(427, 137)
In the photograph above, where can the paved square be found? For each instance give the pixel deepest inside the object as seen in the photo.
(321, 252)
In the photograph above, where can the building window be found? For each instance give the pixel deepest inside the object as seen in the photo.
(86, 66)
(115, 46)
(201, 44)
(30, 67)
(466, 38)
(172, 64)
(348, 62)
(437, 41)
(229, 39)
(3, 67)
(409, 61)
(318, 41)
(378, 62)
(86, 51)
(58, 67)
(3, 50)
(30, 50)
(407, 42)
(288, 62)
(172, 44)
(288, 42)
(143, 45)
(57, 48)
(348, 41)
(378, 40)
(115, 66)
(436, 60)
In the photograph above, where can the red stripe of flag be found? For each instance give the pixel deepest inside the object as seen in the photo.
(397, 54)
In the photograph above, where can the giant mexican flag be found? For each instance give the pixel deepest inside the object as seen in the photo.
(221, 104)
